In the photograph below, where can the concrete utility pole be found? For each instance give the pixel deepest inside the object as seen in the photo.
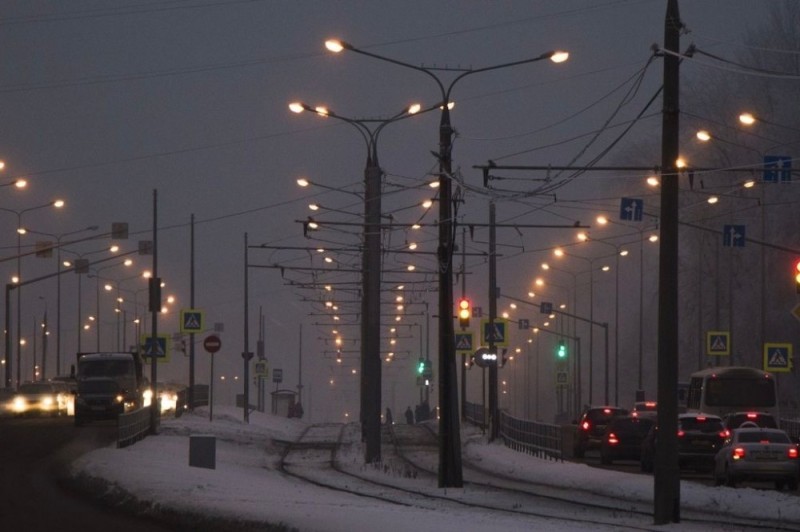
(666, 499)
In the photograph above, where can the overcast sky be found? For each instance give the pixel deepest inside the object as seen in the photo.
(104, 102)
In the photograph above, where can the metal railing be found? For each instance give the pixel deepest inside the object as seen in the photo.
(133, 426)
(532, 437)
(543, 440)
(476, 414)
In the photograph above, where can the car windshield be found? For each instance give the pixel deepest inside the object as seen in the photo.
(35, 388)
(99, 386)
(701, 424)
(763, 436)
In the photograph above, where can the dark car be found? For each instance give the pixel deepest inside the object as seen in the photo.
(592, 426)
(761, 419)
(700, 436)
(623, 439)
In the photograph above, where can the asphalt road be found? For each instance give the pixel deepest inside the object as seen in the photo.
(34, 457)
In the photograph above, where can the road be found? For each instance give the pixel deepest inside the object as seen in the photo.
(36, 453)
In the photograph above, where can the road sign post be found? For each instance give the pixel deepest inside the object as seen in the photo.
(211, 344)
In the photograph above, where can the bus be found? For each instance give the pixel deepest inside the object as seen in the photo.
(723, 390)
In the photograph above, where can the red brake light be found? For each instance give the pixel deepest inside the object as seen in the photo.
(612, 438)
(738, 453)
(752, 415)
(635, 414)
(724, 433)
(701, 419)
(606, 410)
(681, 434)
(793, 453)
(585, 425)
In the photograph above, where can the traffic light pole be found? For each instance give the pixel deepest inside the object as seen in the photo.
(494, 413)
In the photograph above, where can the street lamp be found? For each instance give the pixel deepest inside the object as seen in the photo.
(369, 129)
(58, 238)
(450, 474)
(21, 231)
(128, 263)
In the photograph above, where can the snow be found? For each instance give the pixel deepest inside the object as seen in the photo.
(246, 484)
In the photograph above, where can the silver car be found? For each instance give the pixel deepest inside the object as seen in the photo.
(757, 453)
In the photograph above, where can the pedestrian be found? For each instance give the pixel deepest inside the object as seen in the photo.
(388, 416)
(409, 416)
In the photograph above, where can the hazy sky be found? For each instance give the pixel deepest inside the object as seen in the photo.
(104, 102)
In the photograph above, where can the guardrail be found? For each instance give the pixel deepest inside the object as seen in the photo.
(543, 440)
(532, 437)
(133, 426)
(475, 414)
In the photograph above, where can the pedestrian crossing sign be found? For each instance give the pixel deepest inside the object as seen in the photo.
(192, 321)
(157, 349)
(464, 342)
(496, 333)
(718, 343)
(778, 358)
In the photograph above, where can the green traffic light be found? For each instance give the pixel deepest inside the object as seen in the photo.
(562, 350)
(421, 366)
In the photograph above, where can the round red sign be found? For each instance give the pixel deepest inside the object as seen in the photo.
(212, 343)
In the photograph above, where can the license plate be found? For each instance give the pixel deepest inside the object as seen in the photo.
(701, 443)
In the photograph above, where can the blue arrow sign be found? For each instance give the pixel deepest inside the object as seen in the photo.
(777, 168)
(733, 236)
(631, 209)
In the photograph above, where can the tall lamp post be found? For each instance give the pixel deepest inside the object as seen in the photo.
(21, 231)
(58, 238)
(369, 129)
(450, 474)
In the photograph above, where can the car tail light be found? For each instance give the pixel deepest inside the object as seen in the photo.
(612, 439)
(792, 453)
(738, 453)
(724, 433)
(681, 434)
(752, 415)
(586, 425)
(700, 419)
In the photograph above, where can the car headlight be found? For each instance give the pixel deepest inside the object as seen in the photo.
(47, 400)
(20, 404)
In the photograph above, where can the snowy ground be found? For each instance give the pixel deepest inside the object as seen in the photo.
(246, 485)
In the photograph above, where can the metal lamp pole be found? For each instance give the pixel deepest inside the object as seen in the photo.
(370, 415)
(21, 231)
(450, 474)
(58, 238)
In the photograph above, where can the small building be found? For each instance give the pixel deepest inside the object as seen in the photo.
(283, 402)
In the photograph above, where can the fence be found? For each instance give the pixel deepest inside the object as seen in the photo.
(475, 414)
(539, 439)
(133, 426)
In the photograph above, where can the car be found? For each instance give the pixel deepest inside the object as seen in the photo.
(623, 438)
(761, 419)
(644, 409)
(592, 426)
(37, 398)
(700, 436)
(757, 453)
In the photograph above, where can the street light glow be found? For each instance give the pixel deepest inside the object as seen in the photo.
(302, 181)
(559, 56)
(703, 135)
(747, 119)
(334, 45)
(58, 204)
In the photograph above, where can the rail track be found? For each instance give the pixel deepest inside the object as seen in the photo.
(328, 456)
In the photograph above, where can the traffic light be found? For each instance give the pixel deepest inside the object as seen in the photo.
(421, 366)
(464, 312)
(561, 350)
(797, 275)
